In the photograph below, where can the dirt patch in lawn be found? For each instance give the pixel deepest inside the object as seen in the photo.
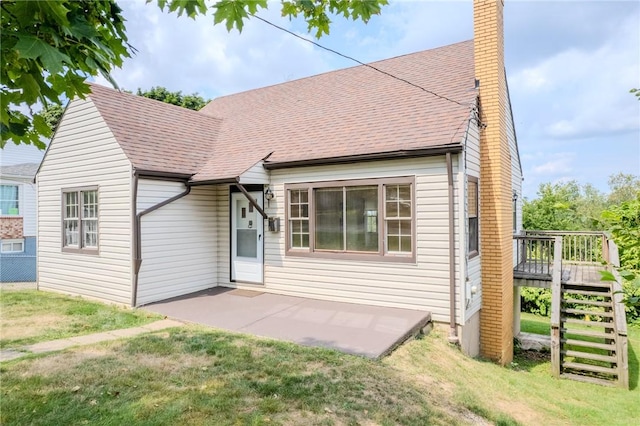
(25, 327)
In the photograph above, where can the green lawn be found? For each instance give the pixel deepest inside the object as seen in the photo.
(195, 375)
(31, 316)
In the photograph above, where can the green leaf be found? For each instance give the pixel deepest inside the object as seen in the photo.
(231, 12)
(30, 47)
(606, 276)
(30, 88)
(629, 276)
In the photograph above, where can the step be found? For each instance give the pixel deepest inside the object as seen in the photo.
(604, 285)
(590, 367)
(587, 344)
(587, 293)
(608, 325)
(588, 302)
(588, 379)
(587, 312)
(588, 355)
(588, 333)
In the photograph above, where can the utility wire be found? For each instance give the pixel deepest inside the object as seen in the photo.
(359, 62)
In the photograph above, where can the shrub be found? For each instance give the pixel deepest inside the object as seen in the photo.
(536, 300)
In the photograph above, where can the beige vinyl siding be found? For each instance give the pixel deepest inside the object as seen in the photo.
(179, 241)
(516, 174)
(85, 153)
(255, 174)
(421, 285)
(473, 278)
(224, 236)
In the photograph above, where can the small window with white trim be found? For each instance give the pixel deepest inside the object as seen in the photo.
(80, 220)
(12, 246)
(9, 200)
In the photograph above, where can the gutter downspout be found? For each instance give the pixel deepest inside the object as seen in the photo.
(453, 332)
(137, 234)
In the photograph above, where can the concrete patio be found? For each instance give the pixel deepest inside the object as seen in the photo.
(370, 331)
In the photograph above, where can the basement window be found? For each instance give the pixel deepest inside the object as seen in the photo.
(12, 246)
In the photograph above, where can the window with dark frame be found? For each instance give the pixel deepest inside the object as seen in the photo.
(373, 217)
(472, 201)
(80, 220)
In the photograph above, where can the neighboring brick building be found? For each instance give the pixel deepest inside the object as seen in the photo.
(17, 222)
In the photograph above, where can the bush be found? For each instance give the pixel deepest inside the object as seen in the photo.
(536, 300)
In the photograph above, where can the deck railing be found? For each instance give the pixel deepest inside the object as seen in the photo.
(534, 254)
(586, 247)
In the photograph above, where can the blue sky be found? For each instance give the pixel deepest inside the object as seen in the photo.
(570, 65)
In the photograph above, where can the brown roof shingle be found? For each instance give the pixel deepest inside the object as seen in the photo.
(354, 111)
(347, 112)
(154, 135)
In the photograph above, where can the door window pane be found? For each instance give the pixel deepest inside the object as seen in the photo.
(247, 243)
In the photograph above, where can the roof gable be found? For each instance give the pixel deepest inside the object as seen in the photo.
(154, 135)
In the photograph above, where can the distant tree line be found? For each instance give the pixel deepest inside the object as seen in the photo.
(571, 206)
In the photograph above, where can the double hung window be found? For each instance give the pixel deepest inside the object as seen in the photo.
(368, 219)
(472, 209)
(80, 219)
(9, 200)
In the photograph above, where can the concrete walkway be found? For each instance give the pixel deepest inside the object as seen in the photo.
(370, 331)
(88, 339)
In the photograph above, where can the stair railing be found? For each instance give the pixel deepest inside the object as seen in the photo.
(556, 302)
(619, 316)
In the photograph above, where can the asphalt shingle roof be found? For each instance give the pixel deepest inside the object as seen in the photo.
(24, 170)
(354, 111)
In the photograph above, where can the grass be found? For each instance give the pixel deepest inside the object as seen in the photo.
(31, 316)
(525, 391)
(196, 376)
(193, 375)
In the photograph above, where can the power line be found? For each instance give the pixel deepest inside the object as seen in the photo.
(359, 62)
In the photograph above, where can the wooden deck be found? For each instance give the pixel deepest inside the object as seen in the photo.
(532, 274)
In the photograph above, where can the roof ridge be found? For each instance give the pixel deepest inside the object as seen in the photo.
(341, 70)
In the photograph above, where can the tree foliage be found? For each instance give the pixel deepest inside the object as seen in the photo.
(52, 115)
(624, 187)
(49, 48)
(564, 207)
(193, 101)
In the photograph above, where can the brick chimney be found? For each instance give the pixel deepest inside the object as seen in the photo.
(496, 316)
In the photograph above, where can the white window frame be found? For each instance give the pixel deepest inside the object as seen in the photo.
(382, 221)
(83, 215)
(12, 243)
(473, 252)
(17, 200)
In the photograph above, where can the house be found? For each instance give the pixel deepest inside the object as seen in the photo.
(394, 189)
(18, 222)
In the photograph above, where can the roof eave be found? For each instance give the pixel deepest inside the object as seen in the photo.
(391, 155)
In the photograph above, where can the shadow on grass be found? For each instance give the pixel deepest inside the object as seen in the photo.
(634, 367)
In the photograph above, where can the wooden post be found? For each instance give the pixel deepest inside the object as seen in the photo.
(556, 302)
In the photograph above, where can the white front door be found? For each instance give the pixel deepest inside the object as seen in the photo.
(247, 236)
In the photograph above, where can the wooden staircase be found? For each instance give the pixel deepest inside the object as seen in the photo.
(591, 348)
(588, 328)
